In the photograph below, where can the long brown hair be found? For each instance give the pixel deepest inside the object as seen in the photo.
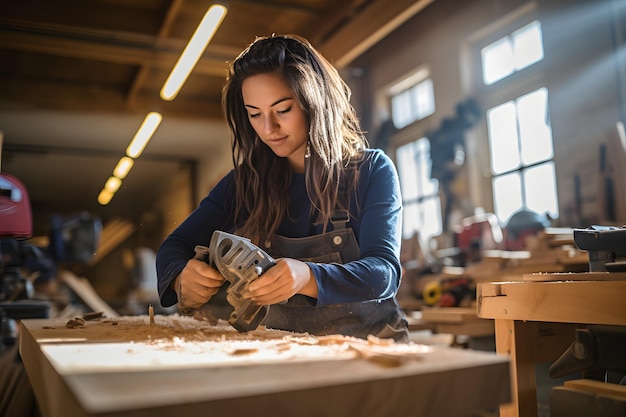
(335, 137)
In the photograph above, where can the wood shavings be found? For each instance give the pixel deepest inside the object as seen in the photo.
(244, 351)
(378, 341)
(75, 323)
(93, 315)
(179, 339)
(389, 359)
(79, 322)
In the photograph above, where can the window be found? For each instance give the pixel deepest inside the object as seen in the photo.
(413, 103)
(512, 53)
(518, 128)
(520, 141)
(420, 199)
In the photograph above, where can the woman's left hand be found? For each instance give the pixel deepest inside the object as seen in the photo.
(282, 281)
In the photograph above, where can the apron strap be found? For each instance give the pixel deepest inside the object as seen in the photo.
(339, 219)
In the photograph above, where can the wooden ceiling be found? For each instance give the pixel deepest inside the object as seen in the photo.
(77, 77)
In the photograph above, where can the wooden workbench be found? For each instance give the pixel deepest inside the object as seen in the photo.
(91, 371)
(535, 321)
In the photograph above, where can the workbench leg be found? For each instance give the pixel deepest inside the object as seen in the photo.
(516, 338)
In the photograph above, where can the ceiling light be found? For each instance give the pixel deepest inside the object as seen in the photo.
(105, 197)
(123, 167)
(143, 135)
(192, 52)
(113, 184)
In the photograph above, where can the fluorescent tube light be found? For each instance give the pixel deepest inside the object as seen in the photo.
(192, 52)
(113, 184)
(123, 167)
(105, 197)
(143, 135)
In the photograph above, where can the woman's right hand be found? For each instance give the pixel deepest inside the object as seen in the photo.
(196, 284)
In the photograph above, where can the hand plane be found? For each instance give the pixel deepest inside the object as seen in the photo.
(240, 262)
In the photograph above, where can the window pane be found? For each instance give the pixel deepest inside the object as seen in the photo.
(424, 218)
(540, 188)
(407, 171)
(401, 109)
(432, 218)
(521, 49)
(507, 195)
(424, 99)
(528, 45)
(427, 185)
(535, 133)
(497, 61)
(410, 220)
(503, 143)
(422, 211)
(414, 162)
(413, 103)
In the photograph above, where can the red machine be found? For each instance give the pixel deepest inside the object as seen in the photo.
(476, 234)
(15, 215)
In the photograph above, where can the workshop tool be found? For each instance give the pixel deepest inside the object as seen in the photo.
(598, 347)
(240, 262)
(605, 245)
(16, 290)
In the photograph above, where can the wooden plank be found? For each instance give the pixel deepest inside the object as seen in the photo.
(376, 21)
(510, 337)
(449, 314)
(417, 322)
(569, 402)
(114, 232)
(83, 289)
(590, 302)
(585, 276)
(475, 328)
(597, 387)
(528, 343)
(487, 289)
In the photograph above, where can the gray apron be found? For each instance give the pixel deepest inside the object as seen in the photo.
(383, 319)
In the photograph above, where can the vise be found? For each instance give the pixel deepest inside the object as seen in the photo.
(605, 245)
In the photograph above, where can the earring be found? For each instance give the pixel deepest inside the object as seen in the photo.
(308, 149)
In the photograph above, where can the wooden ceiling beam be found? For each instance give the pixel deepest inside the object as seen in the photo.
(164, 31)
(105, 36)
(108, 52)
(19, 94)
(373, 22)
(335, 17)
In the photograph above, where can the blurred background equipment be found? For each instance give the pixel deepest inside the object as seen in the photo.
(25, 266)
(15, 228)
(521, 225)
(605, 245)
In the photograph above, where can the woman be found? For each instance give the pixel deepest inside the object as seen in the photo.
(306, 190)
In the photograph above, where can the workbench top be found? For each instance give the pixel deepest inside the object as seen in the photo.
(127, 366)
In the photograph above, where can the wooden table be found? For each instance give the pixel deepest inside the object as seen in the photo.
(535, 321)
(125, 380)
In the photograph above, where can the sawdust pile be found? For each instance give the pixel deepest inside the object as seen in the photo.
(133, 339)
(139, 329)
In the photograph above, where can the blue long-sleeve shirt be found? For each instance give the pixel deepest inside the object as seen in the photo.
(375, 218)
